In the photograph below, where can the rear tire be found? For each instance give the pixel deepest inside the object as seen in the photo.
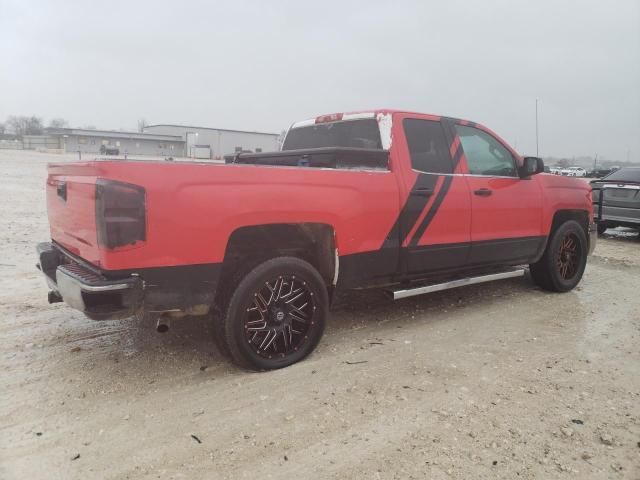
(276, 315)
(561, 267)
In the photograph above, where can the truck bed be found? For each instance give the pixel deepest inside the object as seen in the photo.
(203, 203)
(340, 158)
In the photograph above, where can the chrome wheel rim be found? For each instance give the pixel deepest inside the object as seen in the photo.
(568, 257)
(280, 317)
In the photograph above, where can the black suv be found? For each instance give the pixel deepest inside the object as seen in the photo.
(616, 199)
(109, 150)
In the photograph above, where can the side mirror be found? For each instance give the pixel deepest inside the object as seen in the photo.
(531, 166)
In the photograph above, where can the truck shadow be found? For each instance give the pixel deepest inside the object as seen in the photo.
(350, 310)
(190, 344)
(188, 352)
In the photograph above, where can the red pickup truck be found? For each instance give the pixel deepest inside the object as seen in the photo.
(409, 202)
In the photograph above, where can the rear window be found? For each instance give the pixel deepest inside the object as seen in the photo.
(427, 146)
(352, 134)
(625, 175)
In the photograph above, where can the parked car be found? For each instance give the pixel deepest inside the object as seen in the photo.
(109, 150)
(408, 202)
(574, 172)
(555, 170)
(616, 199)
(600, 172)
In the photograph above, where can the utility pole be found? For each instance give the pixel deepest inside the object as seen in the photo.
(537, 154)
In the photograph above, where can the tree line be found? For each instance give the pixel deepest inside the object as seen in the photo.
(21, 125)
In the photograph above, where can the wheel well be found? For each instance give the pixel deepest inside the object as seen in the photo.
(580, 216)
(252, 245)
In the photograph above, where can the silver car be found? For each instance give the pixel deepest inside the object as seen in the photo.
(574, 172)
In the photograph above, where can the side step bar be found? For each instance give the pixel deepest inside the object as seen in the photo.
(437, 287)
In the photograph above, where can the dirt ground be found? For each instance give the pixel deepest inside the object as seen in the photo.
(490, 381)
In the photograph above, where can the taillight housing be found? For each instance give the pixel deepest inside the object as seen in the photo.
(120, 213)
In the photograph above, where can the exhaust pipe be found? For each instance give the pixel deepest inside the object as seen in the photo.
(163, 324)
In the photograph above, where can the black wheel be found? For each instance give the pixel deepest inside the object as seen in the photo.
(562, 265)
(276, 315)
(602, 227)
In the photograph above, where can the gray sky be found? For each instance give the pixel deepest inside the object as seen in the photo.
(261, 65)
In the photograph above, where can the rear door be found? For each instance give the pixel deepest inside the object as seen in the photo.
(436, 218)
(506, 219)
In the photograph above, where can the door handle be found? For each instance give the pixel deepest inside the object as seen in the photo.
(483, 192)
(422, 192)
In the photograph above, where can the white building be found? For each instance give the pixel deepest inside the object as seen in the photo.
(65, 140)
(215, 143)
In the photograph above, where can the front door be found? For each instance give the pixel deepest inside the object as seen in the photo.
(436, 222)
(506, 219)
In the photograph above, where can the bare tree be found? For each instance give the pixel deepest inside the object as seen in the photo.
(23, 125)
(142, 123)
(58, 123)
(3, 128)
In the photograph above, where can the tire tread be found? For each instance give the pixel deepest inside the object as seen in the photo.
(543, 271)
(225, 321)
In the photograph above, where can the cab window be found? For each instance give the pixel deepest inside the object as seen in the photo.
(427, 146)
(485, 155)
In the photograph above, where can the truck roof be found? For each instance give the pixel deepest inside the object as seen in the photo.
(372, 113)
(384, 118)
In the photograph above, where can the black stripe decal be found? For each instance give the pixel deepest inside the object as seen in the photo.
(439, 198)
(415, 204)
(432, 211)
(379, 267)
(457, 156)
(410, 212)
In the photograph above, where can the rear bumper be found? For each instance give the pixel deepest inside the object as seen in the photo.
(108, 294)
(87, 290)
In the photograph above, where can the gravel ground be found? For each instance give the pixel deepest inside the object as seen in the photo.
(490, 381)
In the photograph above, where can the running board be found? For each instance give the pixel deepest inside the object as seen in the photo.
(437, 287)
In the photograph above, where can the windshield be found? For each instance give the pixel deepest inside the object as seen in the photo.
(362, 133)
(625, 175)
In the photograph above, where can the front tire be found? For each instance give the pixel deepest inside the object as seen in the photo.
(561, 267)
(276, 315)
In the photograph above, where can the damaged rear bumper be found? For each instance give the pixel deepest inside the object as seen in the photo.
(108, 294)
(87, 290)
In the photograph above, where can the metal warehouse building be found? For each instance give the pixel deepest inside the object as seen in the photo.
(214, 143)
(90, 141)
